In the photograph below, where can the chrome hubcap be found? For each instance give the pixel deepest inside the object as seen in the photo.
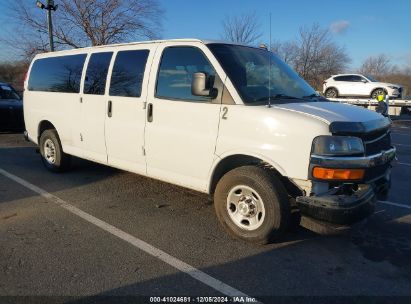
(49, 151)
(245, 207)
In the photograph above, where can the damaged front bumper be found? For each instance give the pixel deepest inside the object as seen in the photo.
(339, 208)
(349, 202)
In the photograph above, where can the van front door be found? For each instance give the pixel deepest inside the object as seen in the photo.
(126, 117)
(94, 106)
(181, 129)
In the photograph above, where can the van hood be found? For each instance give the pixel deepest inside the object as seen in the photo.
(342, 118)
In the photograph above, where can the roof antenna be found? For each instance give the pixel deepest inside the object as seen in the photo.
(269, 70)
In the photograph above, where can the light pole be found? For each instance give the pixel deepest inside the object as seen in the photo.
(49, 7)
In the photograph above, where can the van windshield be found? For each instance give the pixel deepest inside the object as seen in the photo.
(248, 69)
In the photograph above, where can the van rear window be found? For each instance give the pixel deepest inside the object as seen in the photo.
(57, 74)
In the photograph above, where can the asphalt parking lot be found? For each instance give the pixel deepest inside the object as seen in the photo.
(100, 231)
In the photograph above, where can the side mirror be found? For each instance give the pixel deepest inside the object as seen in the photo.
(199, 85)
(364, 81)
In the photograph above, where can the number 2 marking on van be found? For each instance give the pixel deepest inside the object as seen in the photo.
(225, 111)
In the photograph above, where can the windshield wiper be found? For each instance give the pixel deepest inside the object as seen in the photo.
(277, 96)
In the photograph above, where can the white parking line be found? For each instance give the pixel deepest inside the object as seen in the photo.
(395, 204)
(157, 253)
(405, 164)
(404, 134)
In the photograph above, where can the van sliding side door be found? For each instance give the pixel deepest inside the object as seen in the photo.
(125, 117)
(93, 107)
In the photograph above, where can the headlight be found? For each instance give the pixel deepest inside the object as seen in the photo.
(392, 87)
(337, 145)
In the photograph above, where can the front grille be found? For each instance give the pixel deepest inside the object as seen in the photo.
(380, 142)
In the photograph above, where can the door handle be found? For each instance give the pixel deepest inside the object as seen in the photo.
(110, 109)
(150, 112)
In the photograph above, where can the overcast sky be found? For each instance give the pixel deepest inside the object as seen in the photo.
(364, 27)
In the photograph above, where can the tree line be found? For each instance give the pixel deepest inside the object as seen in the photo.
(313, 53)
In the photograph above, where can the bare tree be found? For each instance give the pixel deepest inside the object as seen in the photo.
(287, 51)
(13, 73)
(243, 29)
(318, 56)
(79, 23)
(377, 66)
(314, 55)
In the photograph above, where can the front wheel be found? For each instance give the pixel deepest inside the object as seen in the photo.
(52, 155)
(331, 93)
(252, 204)
(378, 92)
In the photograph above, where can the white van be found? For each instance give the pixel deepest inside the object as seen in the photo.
(214, 118)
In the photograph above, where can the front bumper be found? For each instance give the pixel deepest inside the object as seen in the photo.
(349, 202)
(341, 208)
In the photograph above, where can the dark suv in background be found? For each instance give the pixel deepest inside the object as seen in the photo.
(11, 109)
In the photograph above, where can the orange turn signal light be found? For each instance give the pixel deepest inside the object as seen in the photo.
(338, 174)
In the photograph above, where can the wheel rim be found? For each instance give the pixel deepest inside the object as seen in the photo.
(245, 207)
(331, 93)
(49, 151)
(377, 92)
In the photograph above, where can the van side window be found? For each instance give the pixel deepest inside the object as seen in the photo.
(96, 76)
(128, 73)
(178, 64)
(57, 74)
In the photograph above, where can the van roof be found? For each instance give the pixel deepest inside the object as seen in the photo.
(80, 50)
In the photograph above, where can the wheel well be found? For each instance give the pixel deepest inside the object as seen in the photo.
(43, 126)
(234, 161)
(329, 88)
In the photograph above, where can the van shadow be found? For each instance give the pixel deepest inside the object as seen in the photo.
(385, 237)
(26, 163)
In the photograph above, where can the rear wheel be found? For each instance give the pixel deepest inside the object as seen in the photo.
(252, 204)
(52, 155)
(331, 93)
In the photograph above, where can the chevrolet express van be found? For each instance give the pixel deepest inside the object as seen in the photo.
(229, 120)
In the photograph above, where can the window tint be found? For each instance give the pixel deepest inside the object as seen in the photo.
(57, 74)
(96, 76)
(343, 78)
(128, 72)
(177, 67)
(356, 78)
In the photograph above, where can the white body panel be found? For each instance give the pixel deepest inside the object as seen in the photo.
(186, 140)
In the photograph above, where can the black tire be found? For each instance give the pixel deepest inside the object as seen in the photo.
(377, 92)
(273, 196)
(62, 161)
(331, 93)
